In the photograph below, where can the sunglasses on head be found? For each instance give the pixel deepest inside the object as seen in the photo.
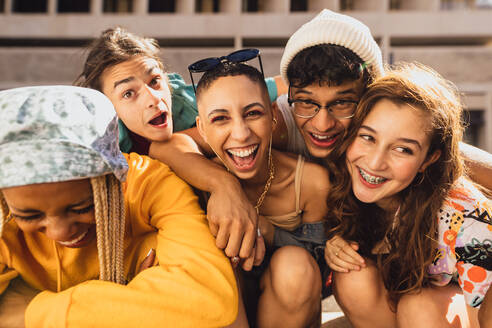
(239, 56)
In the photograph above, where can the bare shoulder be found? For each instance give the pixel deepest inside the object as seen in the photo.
(178, 141)
(315, 180)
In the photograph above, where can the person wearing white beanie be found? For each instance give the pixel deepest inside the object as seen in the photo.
(327, 62)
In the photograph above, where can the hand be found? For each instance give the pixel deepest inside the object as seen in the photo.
(13, 303)
(342, 256)
(148, 261)
(257, 256)
(232, 220)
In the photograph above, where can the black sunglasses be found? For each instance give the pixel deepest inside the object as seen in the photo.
(239, 56)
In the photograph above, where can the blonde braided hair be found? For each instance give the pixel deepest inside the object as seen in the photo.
(4, 211)
(110, 226)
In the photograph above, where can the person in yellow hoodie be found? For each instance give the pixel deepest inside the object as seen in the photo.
(77, 215)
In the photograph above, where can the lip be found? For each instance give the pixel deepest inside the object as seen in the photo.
(163, 125)
(367, 184)
(243, 168)
(85, 238)
(327, 143)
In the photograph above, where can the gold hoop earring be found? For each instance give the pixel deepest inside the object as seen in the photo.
(421, 178)
(274, 120)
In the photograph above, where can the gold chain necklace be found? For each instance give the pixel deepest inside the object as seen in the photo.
(271, 172)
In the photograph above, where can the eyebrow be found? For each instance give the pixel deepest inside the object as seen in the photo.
(342, 92)
(131, 78)
(407, 140)
(125, 80)
(30, 210)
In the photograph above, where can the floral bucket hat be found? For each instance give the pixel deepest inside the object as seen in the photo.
(57, 133)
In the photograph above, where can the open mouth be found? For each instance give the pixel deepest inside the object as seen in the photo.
(323, 140)
(159, 120)
(243, 158)
(372, 179)
(80, 240)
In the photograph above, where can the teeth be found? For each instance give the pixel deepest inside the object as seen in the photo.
(243, 152)
(74, 241)
(320, 137)
(370, 178)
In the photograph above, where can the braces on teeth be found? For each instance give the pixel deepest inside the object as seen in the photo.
(371, 179)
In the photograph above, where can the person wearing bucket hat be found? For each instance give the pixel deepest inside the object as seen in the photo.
(74, 209)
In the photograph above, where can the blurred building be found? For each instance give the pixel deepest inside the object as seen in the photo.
(41, 41)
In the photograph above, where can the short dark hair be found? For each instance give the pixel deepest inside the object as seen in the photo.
(326, 63)
(230, 69)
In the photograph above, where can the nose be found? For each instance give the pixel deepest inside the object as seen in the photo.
(240, 130)
(323, 121)
(59, 229)
(153, 96)
(377, 160)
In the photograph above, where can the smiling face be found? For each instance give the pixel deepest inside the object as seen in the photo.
(236, 121)
(389, 150)
(140, 94)
(63, 211)
(322, 131)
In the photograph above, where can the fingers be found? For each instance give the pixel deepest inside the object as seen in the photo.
(248, 241)
(247, 264)
(148, 261)
(342, 256)
(222, 237)
(234, 242)
(260, 250)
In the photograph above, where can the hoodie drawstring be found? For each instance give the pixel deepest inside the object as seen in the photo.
(58, 268)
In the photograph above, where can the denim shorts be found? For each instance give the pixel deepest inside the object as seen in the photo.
(310, 236)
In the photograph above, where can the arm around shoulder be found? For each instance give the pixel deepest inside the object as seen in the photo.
(479, 164)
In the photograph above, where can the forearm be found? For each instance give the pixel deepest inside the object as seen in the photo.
(186, 160)
(13, 303)
(479, 164)
(485, 311)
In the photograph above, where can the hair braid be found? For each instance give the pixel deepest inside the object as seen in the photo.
(110, 221)
(4, 210)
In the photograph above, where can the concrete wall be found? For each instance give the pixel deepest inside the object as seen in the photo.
(453, 37)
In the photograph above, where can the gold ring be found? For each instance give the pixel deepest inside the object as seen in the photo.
(235, 259)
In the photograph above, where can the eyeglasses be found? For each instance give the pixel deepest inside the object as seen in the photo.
(238, 56)
(307, 108)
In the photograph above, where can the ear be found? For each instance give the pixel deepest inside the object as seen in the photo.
(432, 158)
(274, 109)
(199, 125)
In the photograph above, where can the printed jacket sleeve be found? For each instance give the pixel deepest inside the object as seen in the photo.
(465, 242)
(193, 285)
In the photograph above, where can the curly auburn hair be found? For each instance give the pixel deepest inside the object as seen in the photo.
(412, 240)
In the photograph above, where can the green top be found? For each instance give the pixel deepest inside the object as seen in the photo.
(184, 108)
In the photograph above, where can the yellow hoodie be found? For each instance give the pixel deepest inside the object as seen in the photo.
(193, 285)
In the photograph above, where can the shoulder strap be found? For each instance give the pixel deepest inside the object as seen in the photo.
(297, 186)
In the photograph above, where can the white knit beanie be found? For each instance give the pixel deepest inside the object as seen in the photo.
(334, 28)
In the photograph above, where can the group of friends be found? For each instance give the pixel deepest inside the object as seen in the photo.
(133, 199)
